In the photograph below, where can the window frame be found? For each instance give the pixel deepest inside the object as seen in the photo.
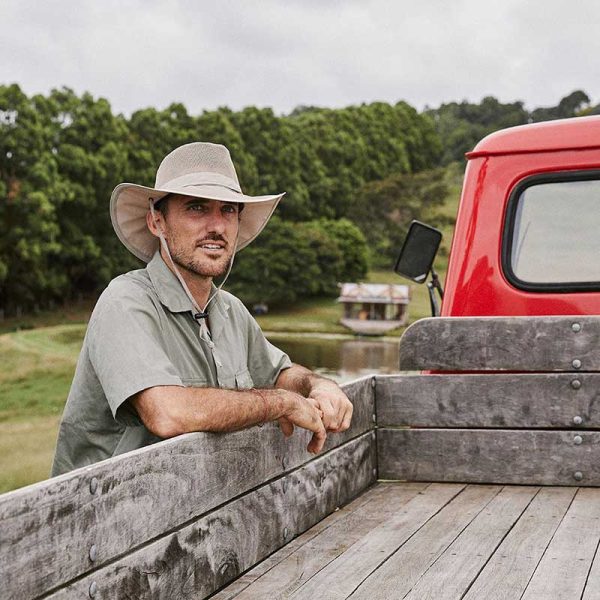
(509, 228)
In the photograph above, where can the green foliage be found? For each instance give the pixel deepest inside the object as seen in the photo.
(384, 209)
(291, 262)
(461, 125)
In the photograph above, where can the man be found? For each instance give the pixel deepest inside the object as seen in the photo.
(166, 352)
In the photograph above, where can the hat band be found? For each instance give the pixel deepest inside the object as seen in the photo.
(198, 179)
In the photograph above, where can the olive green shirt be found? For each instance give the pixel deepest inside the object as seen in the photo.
(142, 334)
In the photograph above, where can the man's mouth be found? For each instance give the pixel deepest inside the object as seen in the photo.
(212, 246)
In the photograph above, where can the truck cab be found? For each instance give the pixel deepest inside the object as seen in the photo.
(527, 235)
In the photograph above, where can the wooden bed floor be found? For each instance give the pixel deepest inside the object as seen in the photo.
(441, 541)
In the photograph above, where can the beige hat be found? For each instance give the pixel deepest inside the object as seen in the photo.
(200, 169)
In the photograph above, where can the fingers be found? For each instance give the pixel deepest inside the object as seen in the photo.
(330, 416)
(286, 426)
(337, 413)
(347, 418)
(317, 441)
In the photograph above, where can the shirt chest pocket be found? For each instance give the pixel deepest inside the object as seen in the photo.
(243, 380)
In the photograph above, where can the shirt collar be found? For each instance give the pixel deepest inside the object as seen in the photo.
(170, 292)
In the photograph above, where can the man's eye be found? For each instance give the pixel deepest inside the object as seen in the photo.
(198, 207)
(230, 208)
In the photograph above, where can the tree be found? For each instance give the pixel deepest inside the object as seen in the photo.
(384, 209)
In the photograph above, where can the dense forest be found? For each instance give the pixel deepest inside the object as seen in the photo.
(354, 178)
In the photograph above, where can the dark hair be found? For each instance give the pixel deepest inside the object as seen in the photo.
(162, 205)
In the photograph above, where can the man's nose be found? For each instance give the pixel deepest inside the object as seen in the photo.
(216, 221)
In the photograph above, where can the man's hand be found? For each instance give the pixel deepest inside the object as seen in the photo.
(334, 404)
(305, 413)
(337, 409)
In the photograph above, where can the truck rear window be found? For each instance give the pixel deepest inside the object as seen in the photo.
(552, 233)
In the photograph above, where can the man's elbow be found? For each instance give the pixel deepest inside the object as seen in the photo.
(163, 426)
(159, 415)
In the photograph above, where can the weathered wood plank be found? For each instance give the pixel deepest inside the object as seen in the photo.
(50, 527)
(563, 570)
(450, 576)
(396, 577)
(204, 555)
(536, 457)
(508, 571)
(592, 585)
(300, 566)
(502, 343)
(339, 578)
(504, 401)
(248, 578)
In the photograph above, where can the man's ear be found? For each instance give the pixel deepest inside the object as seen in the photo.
(152, 226)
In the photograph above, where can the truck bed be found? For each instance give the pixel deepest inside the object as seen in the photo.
(441, 541)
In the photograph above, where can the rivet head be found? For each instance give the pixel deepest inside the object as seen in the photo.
(374, 417)
(93, 553)
(576, 364)
(575, 384)
(577, 420)
(373, 382)
(94, 485)
(577, 440)
(576, 327)
(285, 532)
(374, 472)
(93, 589)
(578, 475)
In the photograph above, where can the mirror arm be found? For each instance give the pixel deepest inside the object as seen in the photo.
(435, 309)
(435, 282)
(433, 285)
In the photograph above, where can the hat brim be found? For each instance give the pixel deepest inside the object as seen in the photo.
(129, 204)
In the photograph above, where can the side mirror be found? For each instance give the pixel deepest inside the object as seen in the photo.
(418, 252)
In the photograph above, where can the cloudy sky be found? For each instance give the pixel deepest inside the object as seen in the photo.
(285, 53)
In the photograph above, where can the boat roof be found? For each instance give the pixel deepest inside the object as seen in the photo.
(563, 134)
(375, 293)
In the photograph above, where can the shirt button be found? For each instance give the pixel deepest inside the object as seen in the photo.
(218, 364)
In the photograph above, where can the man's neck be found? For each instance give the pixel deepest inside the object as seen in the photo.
(199, 286)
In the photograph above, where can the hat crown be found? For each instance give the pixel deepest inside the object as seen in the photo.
(197, 157)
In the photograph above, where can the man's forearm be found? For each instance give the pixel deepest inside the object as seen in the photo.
(170, 410)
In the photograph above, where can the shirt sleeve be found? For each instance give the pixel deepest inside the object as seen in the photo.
(126, 349)
(265, 361)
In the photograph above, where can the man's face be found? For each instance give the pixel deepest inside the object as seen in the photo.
(201, 234)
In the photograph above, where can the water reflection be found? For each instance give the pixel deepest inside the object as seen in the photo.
(341, 359)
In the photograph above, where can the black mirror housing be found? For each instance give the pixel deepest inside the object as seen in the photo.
(418, 252)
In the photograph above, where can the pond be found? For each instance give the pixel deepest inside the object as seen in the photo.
(341, 358)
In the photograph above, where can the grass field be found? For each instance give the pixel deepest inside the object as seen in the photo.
(38, 355)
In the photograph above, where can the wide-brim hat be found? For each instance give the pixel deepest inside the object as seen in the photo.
(199, 169)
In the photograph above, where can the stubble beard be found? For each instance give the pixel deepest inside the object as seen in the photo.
(210, 267)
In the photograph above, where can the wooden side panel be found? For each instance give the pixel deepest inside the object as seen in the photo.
(507, 343)
(490, 456)
(118, 504)
(201, 557)
(503, 401)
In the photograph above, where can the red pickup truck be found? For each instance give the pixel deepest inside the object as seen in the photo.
(527, 236)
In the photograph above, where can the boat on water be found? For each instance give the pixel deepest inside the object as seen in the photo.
(374, 308)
